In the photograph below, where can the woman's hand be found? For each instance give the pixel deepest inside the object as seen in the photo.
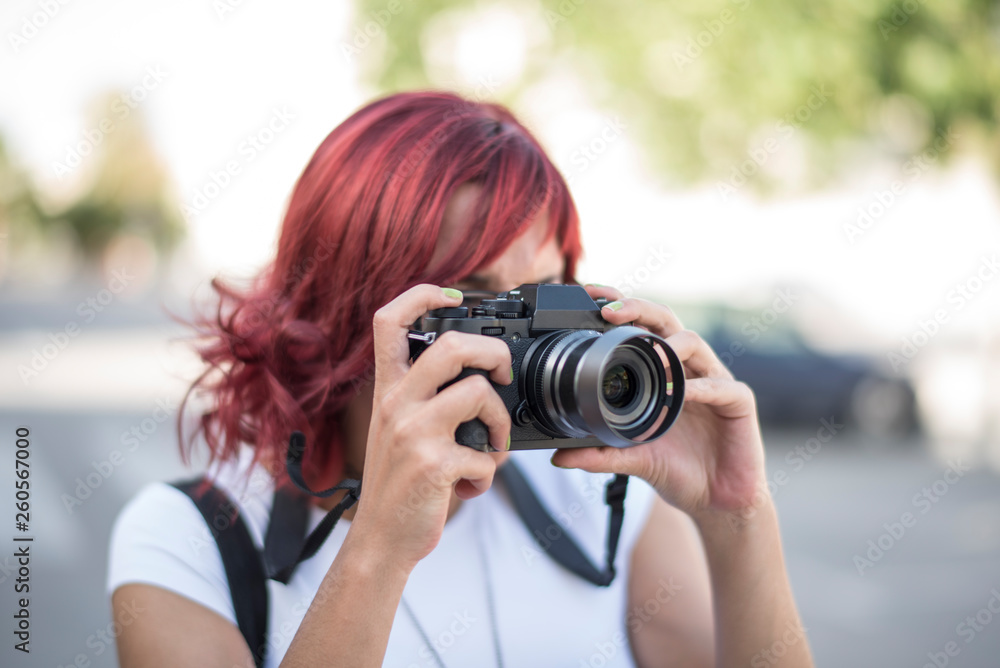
(710, 464)
(712, 459)
(412, 462)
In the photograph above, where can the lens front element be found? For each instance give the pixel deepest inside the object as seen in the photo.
(624, 386)
(618, 387)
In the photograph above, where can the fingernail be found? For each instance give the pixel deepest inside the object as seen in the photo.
(508, 442)
(553, 462)
(452, 293)
(596, 285)
(614, 306)
(512, 373)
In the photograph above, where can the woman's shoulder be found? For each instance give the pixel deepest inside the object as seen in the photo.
(161, 538)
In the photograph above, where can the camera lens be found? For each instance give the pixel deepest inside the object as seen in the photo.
(624, 386)
(618, 388)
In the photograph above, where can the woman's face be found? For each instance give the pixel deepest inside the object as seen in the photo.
(526, 260)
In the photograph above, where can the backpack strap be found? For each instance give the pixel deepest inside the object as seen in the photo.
(240, 558)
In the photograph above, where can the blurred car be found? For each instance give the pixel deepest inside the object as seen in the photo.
(795, 383)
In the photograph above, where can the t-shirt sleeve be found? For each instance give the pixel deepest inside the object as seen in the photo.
(160, 538)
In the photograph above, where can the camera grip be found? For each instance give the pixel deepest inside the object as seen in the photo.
(474, 433)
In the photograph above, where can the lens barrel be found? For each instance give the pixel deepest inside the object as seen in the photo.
(625, 386)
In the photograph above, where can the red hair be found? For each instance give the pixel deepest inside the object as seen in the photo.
(289, 352)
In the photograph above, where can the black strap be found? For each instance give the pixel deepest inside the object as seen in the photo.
(279, 552)
(240, 558)
(286, 545)
(286, 532)
(563, 548)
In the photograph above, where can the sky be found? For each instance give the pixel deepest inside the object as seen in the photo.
(256, 86)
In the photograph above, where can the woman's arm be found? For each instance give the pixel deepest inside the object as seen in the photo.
(755, 614)
(411, 442)
(411, 445)
(349, 620)
(710, 465)
(669, 613)
(347, 623)
(162, 629)
(673, 589)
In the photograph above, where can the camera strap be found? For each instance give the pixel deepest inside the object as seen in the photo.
(563, 548)
(286, 544)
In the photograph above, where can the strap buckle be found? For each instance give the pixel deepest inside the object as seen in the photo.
(614, 492)
(417, 341)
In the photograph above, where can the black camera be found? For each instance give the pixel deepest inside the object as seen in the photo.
(578, 380)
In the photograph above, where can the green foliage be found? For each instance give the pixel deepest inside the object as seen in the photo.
(127, 193)
(96, 222)
(18, 202)
(704, 83)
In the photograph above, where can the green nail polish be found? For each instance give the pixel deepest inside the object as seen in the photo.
(452, 293)
(512, 373)
(596, 285)
(614, 306)
(508, 442)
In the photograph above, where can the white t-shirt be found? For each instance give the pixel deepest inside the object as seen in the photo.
(545, 615)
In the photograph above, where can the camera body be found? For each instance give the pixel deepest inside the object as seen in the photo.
(578, 380)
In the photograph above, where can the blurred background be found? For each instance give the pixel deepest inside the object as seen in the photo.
(813, 186)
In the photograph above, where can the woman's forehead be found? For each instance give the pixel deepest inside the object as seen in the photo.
(528, 258)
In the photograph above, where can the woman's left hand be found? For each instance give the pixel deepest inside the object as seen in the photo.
(712, 459)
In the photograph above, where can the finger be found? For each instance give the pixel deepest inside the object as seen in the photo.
(697, 356)
(469, 398)
(392, 322)
(444, 464)
(470, 471)
(476, 471)
(449, 354)
(596, 290)
(602, 459)
(732, 399)
(657, 318)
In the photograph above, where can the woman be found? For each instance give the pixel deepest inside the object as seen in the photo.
(411, 200)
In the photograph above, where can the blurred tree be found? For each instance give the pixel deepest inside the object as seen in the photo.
(18, 202)
(711, 85)
(129, 191)
(126, 196)
(20, 212)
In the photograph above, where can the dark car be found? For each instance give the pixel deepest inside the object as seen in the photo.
(796, 384)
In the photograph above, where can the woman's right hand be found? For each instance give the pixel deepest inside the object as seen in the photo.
(412, 462)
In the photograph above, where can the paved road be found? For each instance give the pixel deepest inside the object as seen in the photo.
(906, 604)
(909, 601)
